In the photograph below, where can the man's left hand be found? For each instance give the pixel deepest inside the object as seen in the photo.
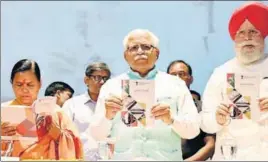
(263, 103)
(162, 111)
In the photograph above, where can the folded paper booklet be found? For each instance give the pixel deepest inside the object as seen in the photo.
(26, 117)
(138, 98)
(44, 108)
(22, 117)
(243, 92)
(45, 105)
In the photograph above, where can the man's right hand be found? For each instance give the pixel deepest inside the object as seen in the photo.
(222, 113)
(113, 104)
(7, 129)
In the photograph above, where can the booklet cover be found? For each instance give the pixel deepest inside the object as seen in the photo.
(22, 117)
(138, 98)
(43, 109)
(25, 118)
(243, 91)
(28, 121)
(45, 105)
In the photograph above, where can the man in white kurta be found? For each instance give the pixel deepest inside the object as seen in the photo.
(248, 28)
(178, 118)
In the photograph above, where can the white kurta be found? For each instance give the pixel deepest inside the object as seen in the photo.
(186, 121)
(80, 109)
(245, 131)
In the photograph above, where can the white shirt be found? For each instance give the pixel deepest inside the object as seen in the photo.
(81, 109)
(186, 121)
(245, 131)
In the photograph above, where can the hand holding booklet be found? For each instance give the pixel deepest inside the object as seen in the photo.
(20, 116)
(243, 92)
(25, 117)
(138, 99)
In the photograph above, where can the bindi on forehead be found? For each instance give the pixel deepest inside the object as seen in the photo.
(23, 81)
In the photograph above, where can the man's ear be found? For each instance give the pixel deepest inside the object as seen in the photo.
(86, 79)
(191, 79)
(57, 94)
(157, 52)
(125, 55)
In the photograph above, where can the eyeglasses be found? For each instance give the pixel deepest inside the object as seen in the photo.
(144, 47)
(250, 32)
(99, 78)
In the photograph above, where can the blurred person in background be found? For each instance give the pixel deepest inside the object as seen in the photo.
(202, 147)
(61, 90)
(81, 108)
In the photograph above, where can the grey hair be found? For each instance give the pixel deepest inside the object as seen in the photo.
(154, 38)
(96, 66)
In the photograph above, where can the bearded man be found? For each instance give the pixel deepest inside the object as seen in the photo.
(248, 28)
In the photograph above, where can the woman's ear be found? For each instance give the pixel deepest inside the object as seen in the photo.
(41, 82)
(39, 86)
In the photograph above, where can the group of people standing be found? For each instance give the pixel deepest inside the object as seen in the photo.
(185, 128)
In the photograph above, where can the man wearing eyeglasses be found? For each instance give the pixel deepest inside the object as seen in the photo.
(201, 147)
(163, 140)
(248, 27)
(81, 108)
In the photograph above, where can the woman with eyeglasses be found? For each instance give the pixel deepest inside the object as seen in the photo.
(57, 137)
(80, 108)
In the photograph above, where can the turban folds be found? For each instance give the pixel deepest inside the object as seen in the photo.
(255, 12)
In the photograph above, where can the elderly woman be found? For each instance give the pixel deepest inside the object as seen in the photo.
(57, 138)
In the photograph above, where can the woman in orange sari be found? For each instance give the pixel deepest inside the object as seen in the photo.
(57, 137)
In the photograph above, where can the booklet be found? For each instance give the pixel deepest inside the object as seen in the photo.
(23, 117)
(243, 92)
(26, 117)
(28, 121)
(138, 98)
(46, 105)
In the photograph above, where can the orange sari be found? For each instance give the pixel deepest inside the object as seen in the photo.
(58, 139)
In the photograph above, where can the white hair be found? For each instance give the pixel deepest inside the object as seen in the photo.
(246, 57)
(154, 39)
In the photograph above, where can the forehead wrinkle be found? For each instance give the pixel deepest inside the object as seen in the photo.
(140, 38)
(24, 81)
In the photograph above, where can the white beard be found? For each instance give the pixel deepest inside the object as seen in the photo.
(249, 56)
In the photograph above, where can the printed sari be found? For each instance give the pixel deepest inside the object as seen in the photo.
(58, 139)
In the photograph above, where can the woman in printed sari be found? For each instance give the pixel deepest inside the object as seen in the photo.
(57, 137)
